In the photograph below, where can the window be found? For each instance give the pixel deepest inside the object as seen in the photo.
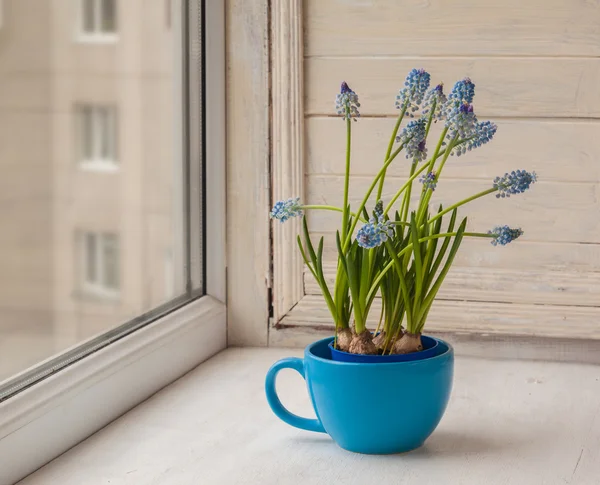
(100, 261)
(97, 136)
(98, 19)
(138, 238)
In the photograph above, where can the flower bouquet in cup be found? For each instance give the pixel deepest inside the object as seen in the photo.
(401, 249)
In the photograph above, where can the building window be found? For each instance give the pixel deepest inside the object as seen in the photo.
(100, 263)
(98, 20)
(97, 134)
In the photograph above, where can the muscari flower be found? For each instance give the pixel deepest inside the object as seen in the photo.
(413, 135)
(346, 103)
(377, 231)
(504, 234)
(484, 132)
(284, 209)
(463, 91)
(411, 95)
(461, 121)
(515, 182)
(435, 100)
(429, 181)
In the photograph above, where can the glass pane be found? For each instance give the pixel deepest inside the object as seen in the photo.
(85, 133)
(90, 258)
(87, 15)
(110, 261)
(108, 16)
(83, 244)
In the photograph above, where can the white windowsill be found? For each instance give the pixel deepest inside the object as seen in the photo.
(513, 421)
(99, 38)
(104, 166)
(43, 421)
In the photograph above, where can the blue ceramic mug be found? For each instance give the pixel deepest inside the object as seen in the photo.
(369, 408)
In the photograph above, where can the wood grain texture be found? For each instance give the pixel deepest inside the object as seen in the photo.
(510, 87)
(460, 27)
(549, 211)
(471, 283)
(523, 255)
(248, 198)
(471, 316)
(288, 149)
(565, 151)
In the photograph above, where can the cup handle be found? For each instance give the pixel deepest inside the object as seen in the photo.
(273, 399)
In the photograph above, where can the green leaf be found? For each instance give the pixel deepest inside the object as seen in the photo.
(441, 254)
(438, 283)
(414, 230)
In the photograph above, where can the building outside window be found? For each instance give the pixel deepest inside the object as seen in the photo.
(97, 135)
(100, 264)
(98, 19)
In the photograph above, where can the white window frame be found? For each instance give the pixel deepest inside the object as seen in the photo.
(98, 286)
(45, 420)
(97, 36)
(102, 122)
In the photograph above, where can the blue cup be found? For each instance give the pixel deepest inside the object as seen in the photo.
(373, 408)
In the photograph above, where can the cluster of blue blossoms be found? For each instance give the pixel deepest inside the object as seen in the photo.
(346, 103)
(375, 232)
(434, 103)
(413, 136)
(429, 181)
(411, 95)
(457, 111)
(515, 182)
(284, 209)
(504, 234)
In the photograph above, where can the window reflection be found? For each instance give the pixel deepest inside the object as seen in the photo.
(91, 188)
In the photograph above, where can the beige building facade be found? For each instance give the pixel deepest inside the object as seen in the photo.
(91, 195)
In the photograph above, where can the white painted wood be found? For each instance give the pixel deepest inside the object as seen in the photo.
(526, 255)
(509, 87)
(459, 27)
(499, 284)
(508, 422)
(287, 166)
(216, 200)
(470, 344)
(248, 147)
(40, 423)
(549, 211)
(564, 151)
(551, 321)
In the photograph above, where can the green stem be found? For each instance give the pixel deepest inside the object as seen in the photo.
(462, 202)
(347, 178)
(330, 208)
(426, 196)
(390, 147)
(409, 247)
(364, 202)
(403, 188)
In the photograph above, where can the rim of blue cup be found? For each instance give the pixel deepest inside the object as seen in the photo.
(327, 340)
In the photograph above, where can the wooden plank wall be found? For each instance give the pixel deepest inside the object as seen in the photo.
(536, 66)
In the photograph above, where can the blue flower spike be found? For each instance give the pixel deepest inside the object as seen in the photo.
(461, 121)
(346, 103)
(504, 235)
(434, 103)
(413, 135)
(429, 181)
(515, 182)
(284, 209)
(411, 95)
(463, 91)
(377, 231)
